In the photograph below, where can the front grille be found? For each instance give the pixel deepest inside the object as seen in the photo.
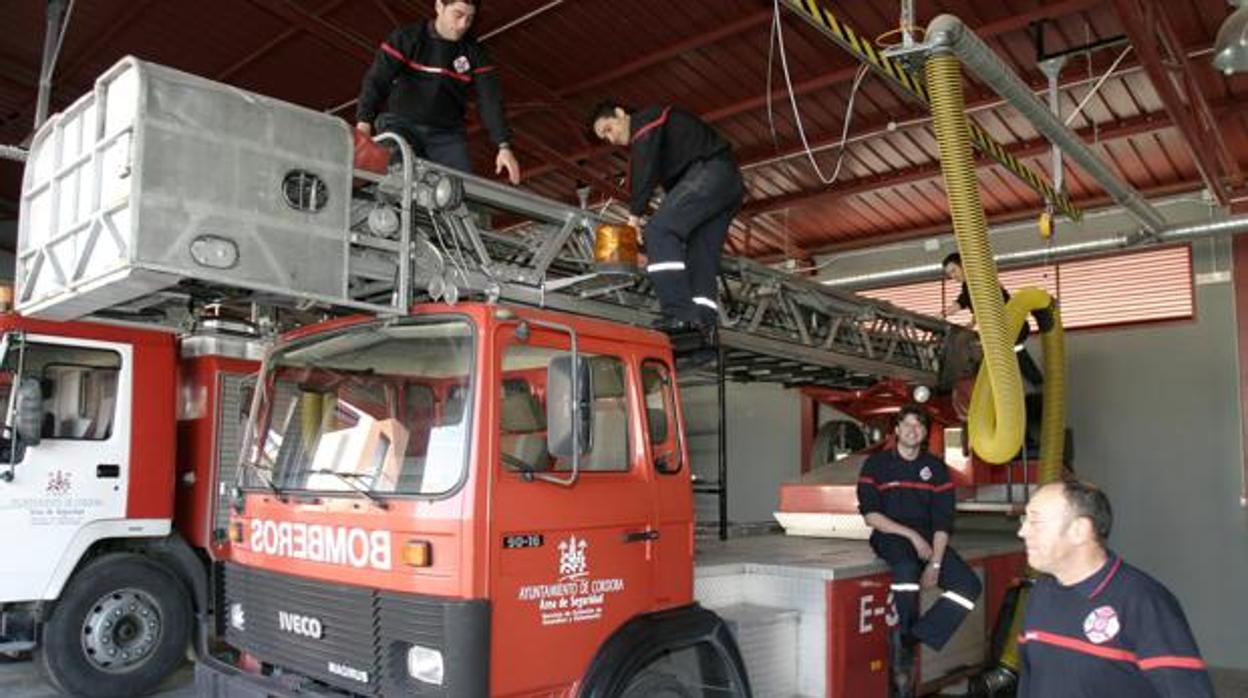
(363, 633)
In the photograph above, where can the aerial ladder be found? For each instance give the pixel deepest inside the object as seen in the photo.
(161, 194)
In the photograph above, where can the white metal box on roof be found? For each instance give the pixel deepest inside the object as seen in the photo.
(158, 177)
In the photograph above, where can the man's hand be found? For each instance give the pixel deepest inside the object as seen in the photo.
(931, 575)
(364, 127)
(635, 222)
(921, 547)
(506, 160)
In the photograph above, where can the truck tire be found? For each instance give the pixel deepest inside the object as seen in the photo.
(651, 684)
(123, 624)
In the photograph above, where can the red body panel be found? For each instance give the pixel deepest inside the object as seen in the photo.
(860, 613)
(199, 443)
(466, 528)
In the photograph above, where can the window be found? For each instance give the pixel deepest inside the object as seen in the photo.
(1145, 286)
(661, 421)
(522, 424)
(78, 386)
(377, 408)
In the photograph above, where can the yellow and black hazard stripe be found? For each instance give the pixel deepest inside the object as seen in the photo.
(862, 49)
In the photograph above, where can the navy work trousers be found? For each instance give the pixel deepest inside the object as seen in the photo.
(958, 582)
(685, 237)
(445, 146)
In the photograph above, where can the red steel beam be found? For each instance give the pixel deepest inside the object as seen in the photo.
(340, 39)
(272, 44)
(1240, 256)
(552, 155)
(1125, 128)
(1172, 75)
(670, 51)
(99, 40)
(999, 218)
(845, 74)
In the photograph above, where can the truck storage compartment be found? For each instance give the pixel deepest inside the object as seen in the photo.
(157, 178)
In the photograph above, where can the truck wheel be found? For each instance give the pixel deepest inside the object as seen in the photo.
(122, 625)
(652, 684)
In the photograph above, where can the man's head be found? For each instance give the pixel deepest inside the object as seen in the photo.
(1067, 523)
(911, 426)
(454, 17)
(610, 122)
(952, 266)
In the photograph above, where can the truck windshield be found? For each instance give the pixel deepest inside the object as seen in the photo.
(379, 408)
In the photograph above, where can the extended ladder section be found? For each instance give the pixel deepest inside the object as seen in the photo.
(161, 192)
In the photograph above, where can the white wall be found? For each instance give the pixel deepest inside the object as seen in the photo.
(1157, 423)
(764, 446)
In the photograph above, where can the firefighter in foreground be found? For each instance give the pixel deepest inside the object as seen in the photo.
(702, 192)
(906, 496)
(425, 71)
(1097, 626)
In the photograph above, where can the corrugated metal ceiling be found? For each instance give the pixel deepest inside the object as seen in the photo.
(558, 58)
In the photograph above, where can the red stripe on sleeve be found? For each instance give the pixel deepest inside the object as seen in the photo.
(1172, 663)
(662, 119)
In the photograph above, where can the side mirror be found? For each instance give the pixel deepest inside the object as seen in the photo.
(566, 408)
(28, 414)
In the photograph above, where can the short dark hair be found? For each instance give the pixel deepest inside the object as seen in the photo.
(914, 408)
(1087, 500)
(952, 258)
(603, 110)
(475, 3)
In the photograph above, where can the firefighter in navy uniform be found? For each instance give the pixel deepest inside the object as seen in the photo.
(1097, 626)
(425, 71)
(906, 496)
(703, 191)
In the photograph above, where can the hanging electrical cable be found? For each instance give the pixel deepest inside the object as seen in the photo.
(777, 41)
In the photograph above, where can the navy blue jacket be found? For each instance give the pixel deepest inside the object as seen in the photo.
(916, 493)
(1117, 633)
(665, 141)
(426, 79)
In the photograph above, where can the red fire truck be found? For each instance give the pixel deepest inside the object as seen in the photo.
(111, 471)
(465, 469)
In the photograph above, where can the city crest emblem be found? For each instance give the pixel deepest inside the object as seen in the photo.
(1101, 625)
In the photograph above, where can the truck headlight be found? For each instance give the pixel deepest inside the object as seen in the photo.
(425, 664)
(238, 619)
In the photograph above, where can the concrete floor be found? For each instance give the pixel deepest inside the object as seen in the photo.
(20, 679)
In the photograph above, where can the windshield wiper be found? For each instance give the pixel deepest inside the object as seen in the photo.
(352, 480)
(262, 474)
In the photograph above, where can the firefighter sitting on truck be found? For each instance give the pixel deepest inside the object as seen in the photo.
(907, 498)
(703, 192)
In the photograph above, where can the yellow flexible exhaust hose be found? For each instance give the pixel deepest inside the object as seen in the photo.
(997, 418)
(1022, 303)
(997, 433)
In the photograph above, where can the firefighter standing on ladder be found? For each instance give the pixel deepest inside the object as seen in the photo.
(703, 191)
(425, 70)
(906, 496)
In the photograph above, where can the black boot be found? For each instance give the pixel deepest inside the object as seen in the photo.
(998, 682)
(901, 653)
